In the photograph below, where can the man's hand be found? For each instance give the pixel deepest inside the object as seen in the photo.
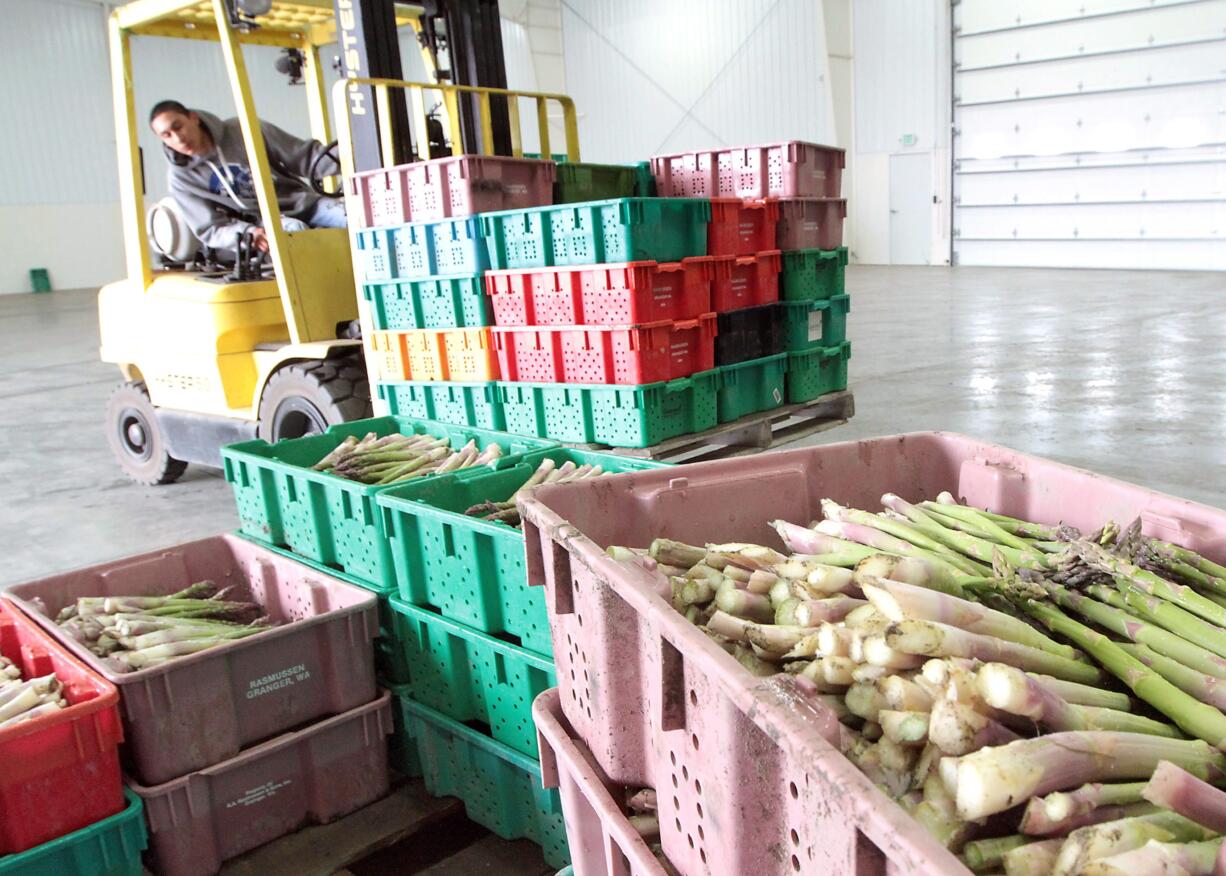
(260, 238)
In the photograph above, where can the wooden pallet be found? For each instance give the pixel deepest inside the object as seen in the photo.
(751, 434)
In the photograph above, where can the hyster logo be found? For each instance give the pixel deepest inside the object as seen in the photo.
(351, 59)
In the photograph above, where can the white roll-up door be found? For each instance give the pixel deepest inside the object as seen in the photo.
(1090, 133)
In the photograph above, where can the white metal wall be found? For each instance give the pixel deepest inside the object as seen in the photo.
(1090, 134)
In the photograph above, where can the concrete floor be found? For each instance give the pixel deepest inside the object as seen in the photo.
(1121, 372)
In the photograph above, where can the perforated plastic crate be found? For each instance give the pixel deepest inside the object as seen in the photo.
(784, 170)
(597, 232)
(816, 372)
(810, 223)
(457, 185)
(644, 182)
(284, 502)
(582, 181)
(420, 249)
(435, 302)
(620, 416)
(746, 281)
(809, 324)
(449, 354)
(749, 387)
(622, 354)
(742, 226)
(750, 333)
(464, 404)
(627, 294)
(810, 274)
(110, 847)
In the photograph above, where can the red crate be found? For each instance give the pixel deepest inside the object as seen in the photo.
(458, 185)
(746, 281)
(633, 293)
(627, 355)
(58, 773)
(741, 226)
(810, 223)
(793, 169)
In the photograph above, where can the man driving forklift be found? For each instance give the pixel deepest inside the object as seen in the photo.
(210, 177)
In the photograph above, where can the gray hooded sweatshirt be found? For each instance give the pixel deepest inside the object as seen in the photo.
(216, 192)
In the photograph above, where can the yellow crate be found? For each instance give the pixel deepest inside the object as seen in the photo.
(390, 355)
(470, 354)
(425, 354)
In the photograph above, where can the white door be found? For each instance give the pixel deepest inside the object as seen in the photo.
(910, 208)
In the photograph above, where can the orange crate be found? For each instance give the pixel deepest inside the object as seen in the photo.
(451, 354)
(390, 355)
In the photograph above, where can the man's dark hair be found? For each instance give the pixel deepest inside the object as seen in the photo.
(166, 106)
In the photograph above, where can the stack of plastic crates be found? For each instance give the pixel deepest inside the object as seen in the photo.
(794, 186)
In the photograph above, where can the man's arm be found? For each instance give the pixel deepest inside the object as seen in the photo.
(294, 154)
(213, 224)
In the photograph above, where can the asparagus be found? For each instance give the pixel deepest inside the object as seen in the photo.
(1176, 789)
(910, 570)
(1184, 859)
(1182, 623)
(962, 542)
(1053, 813)
(1146, 581)
(986, 854)
(892, 537)
(1036, 823)
(1033, 859)
(1084, 694)
(1088, 844)
(904, 727)
(958, 729)
(1207, 688)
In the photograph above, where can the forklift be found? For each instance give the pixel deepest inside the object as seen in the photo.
(214, 348)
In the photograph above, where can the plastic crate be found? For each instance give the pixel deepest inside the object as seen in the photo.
(435, 302)
(628, 294)
(458, 185)
(598, 829)
(470, 676)
(60, 772)
(812, 274)
(620, 416)
(501, 788)
(750, 333)
(618, 354)
(783, 170)
(644, 182)
(205, 707)
(110, 847)
(746, 281)
(598, 232)
(472, 570)
(749, 387)
(282, 501)
(816, 372)
(581, 181)
(742, 226)
(464, 404)
(809, 324)
(465, 355)
(310, 776)
(810, 223)
(420, 249)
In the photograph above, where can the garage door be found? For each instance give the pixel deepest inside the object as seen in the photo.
(1090, 133)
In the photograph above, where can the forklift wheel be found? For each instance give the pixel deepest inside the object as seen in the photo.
(305, 398)
(136, 439)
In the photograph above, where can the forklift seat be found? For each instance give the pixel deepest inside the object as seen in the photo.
(169, 234)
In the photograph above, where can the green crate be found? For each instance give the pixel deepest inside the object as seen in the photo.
(644, 180)
(811, 324)
(432, 303)
(816, 372)
(283, 502)
(749, 387)
(500, 787)
(555, 157)
(110, 847)
(812, 274)
(593, 182)
(464, 404)
(470, 676)
(620, 416)
(619, 230)
(472, 570)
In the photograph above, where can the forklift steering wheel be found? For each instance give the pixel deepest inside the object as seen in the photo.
(316, 178)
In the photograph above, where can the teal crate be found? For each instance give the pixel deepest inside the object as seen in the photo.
(432, 303)
(749, 387)
(620, 230)
(418, 250)
(555, 157)
(581, 181)
(814, 373)
(470, 676)
(472, 570)
(283, 502)
(810, 324)
(501, 788)
(644, 181)
(812, 274)
(620, 416)
(464, 404)
(110, 847)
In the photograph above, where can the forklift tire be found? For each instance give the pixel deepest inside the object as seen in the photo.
(305, 398)
(136, 439)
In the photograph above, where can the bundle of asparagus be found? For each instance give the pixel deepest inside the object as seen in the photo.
(1012, 685)
(548, 472)
(137, 632)
(26, 699)
(395, 458)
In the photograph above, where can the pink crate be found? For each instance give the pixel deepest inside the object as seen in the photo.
(597, 828)
(658, 703)
(441, 188)
(741, 226)
(617, 354)
(793, 169)
(634, 293)
(810, 223)
(310, 776)
(201, 709)
(746, 281)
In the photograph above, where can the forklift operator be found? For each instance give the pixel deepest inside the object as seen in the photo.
(210, 177)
